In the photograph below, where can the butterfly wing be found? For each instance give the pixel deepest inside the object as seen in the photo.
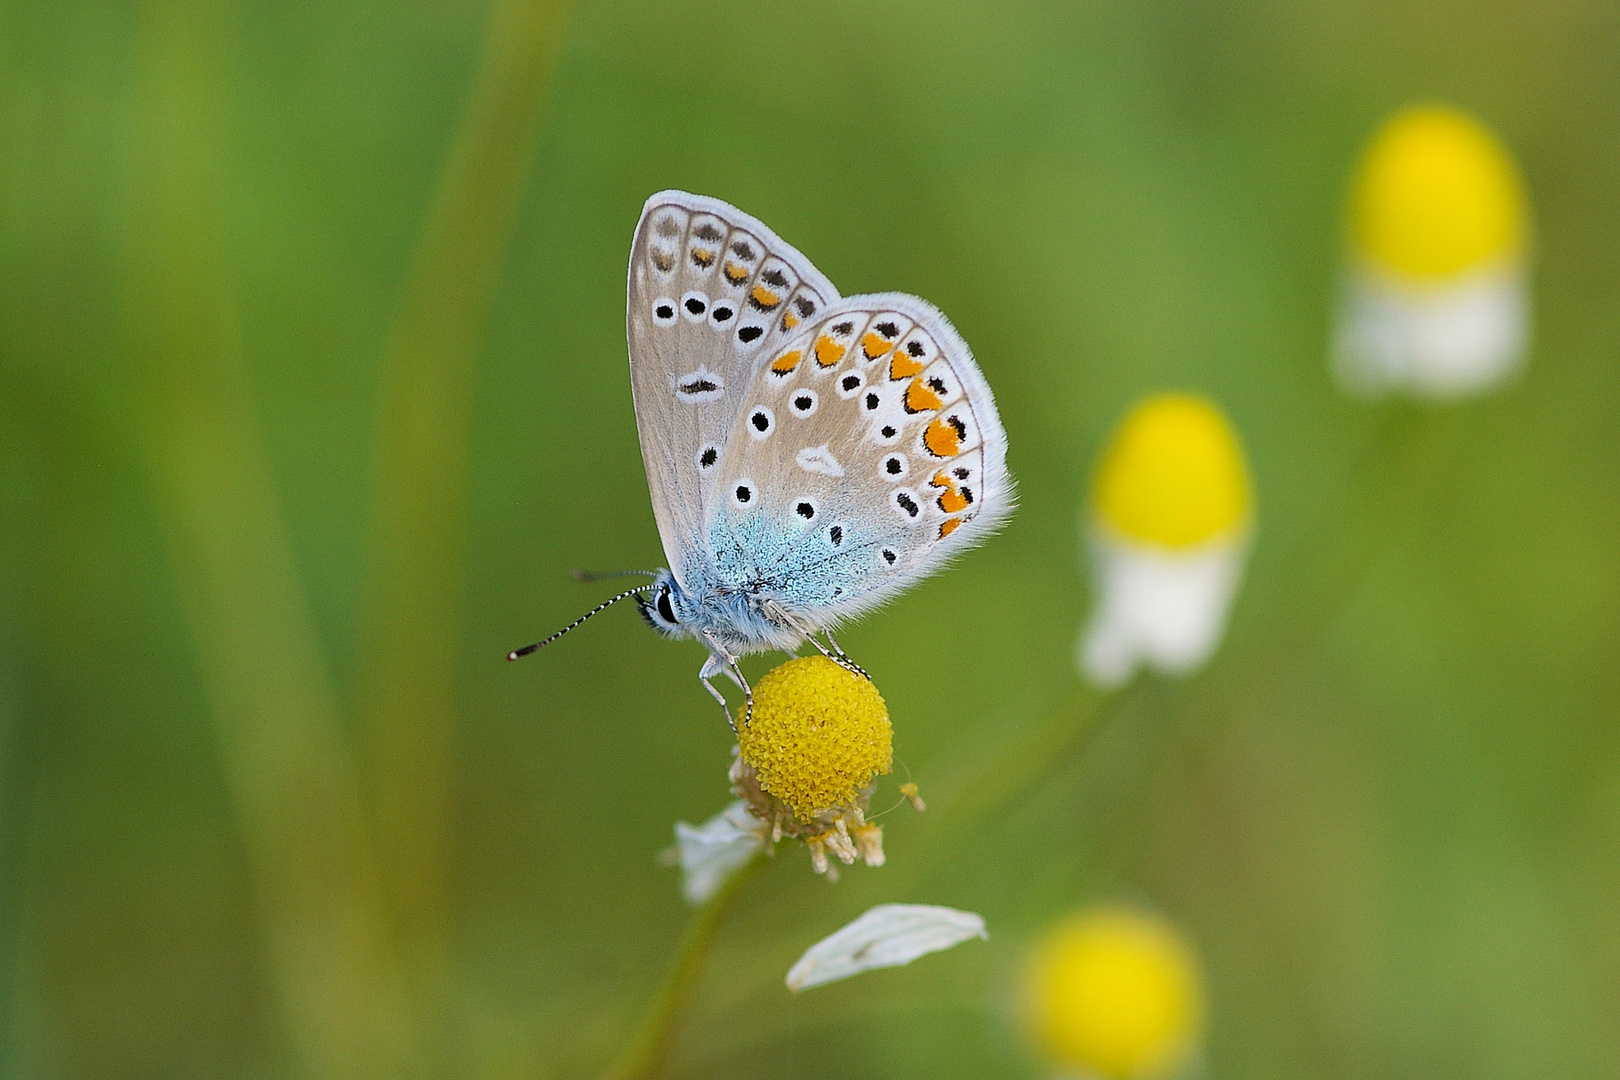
(712, 292)
(867, 453)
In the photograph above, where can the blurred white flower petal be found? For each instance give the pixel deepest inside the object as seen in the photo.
(889, 935)
(1433, 340)
(1157, 606)
(711, 852)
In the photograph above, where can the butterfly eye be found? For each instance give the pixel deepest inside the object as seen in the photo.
(665, 609)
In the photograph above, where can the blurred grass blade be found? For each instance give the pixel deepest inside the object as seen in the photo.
(254, 634)
(404, 688)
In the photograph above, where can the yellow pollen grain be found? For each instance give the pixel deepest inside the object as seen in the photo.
(818, 735)
(1174, 474)
(1116, 993)
(1437, 193)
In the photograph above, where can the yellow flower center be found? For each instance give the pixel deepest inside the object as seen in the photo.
(1117, 993)
(818, 735)
(1174, 474)
(1437, 193)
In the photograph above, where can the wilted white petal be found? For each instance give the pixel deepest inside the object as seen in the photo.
(711, 852)
(888, 935)
(1157, 606)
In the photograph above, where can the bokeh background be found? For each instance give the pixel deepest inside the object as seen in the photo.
(313, 390)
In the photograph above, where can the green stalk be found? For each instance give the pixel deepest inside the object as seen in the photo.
(258, 656)
(649, 1053)
(404, 689)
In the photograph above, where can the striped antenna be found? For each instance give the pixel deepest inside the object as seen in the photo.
(603, 606)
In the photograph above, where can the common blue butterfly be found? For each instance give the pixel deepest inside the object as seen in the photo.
(809, 455)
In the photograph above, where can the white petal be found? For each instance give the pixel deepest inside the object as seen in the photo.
(1157, 606)
(1436, 340)
(888, 935)
(710, 853)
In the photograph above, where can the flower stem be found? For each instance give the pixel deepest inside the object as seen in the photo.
(649, 1053)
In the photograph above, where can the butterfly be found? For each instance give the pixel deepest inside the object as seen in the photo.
(809, 455)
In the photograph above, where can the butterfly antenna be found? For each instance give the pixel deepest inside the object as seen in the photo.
(603, 606)
(603, 575)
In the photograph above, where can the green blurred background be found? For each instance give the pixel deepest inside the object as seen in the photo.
(313, 390)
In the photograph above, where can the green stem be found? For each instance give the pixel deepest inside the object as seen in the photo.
(404, 686)
(648, 1055)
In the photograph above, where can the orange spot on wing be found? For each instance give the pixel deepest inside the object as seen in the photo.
(828, 351)
(785, 363)
(874, 346)
(942, 481)
(942, 438)
(703, 257)
(735, 274)
(789, 321)
(903, 367)
(954, 502)
(764, 298)
(948, 526)
(920, 397)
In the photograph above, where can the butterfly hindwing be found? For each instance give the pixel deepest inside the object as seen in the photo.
(866, 452)
(712, 293)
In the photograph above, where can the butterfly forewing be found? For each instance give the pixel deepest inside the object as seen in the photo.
(866, 452)
(712, 294)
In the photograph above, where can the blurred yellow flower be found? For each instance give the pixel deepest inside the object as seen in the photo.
(1172, 510)
(1439, 230)
(817, 739)
(1174, 474)
(1116, 993)
(1438, 193)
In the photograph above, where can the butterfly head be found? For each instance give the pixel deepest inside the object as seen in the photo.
(666, 606)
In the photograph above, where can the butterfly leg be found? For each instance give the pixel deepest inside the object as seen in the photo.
(721, 662)
(843, 657)
(835, 654)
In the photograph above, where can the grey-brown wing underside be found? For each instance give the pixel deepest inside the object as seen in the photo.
(712, 292)
(867, 453)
